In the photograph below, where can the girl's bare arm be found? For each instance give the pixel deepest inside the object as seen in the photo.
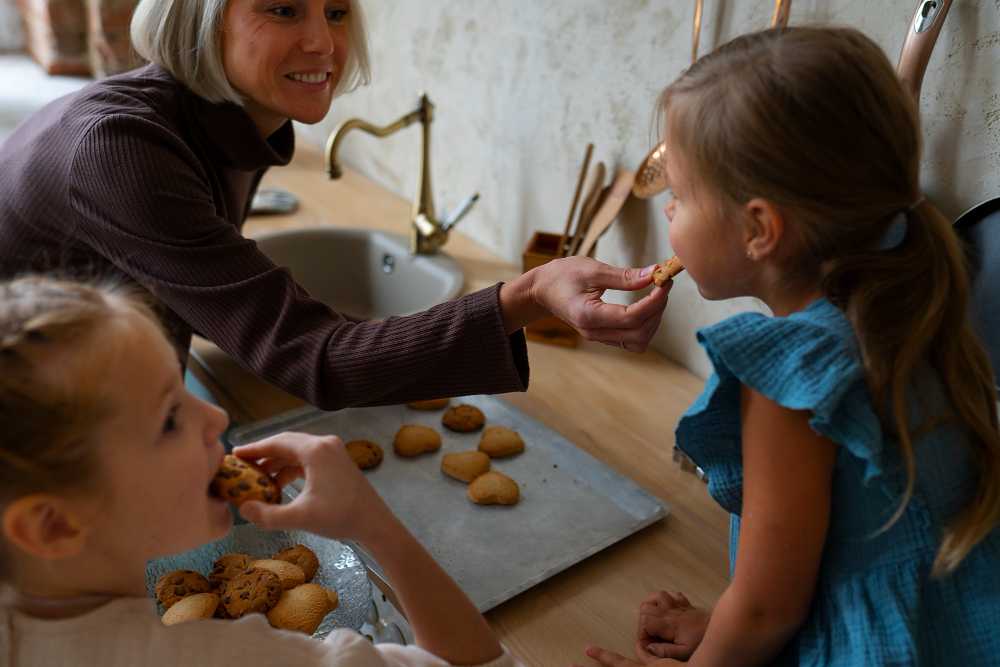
(787, 475)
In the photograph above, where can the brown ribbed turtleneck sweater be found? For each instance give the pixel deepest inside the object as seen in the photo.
(138, 179)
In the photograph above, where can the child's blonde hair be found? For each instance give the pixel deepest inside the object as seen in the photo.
(816, 121)
(52, 389)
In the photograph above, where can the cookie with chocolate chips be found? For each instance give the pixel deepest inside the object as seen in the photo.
(254, 591)
(302, 556)
(228, 566)
(238, 481)
(179, 584)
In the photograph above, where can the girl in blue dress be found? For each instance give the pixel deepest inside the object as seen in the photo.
(853, 435)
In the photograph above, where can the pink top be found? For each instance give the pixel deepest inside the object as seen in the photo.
(128, 633)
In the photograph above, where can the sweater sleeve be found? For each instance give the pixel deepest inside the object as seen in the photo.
(144, 201)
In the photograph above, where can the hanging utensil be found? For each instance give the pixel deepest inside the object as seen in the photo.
(651, 177)
(919, 43)
(606, 215)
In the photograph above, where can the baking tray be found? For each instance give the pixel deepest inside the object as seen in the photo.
(340, 568)
(571, 506)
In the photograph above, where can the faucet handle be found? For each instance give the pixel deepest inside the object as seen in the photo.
(459, 213)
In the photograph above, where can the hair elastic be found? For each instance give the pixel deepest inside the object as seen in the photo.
(895, 234)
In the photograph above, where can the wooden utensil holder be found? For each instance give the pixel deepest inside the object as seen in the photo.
(544, 247)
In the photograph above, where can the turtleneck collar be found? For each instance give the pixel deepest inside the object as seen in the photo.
(229, 132)
(233, 135)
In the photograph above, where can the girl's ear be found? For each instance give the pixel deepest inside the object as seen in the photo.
(764, 230)
(45, 526)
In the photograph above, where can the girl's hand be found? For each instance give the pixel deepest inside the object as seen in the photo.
(611, 659)
(669, 627)
(336, 500)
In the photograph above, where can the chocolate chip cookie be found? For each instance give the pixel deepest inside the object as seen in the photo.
(302, 556)
(226, 567)
(238, 481)
(365, 453)
(464, 418)
(254, 591)
(174, 586)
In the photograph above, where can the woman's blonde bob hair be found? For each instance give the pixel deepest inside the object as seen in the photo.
(184, 37)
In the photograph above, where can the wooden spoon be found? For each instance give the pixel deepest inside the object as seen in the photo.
(606, 215)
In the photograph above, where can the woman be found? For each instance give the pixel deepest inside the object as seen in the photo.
(148, 176)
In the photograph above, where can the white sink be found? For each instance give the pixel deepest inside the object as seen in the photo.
(361, 273)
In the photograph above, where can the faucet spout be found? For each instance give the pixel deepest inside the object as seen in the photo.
(333, 143)
(427, 233)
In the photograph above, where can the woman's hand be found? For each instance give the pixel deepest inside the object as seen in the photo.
(336, 501)
(571, 288)
(669, 627)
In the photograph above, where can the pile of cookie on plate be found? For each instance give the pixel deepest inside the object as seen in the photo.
(486, 487)
(239, 584)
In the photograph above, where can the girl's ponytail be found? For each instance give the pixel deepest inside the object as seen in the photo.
(909, 306)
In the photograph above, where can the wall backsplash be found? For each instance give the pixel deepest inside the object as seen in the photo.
(11, 34)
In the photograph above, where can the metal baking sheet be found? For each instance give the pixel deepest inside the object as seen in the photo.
(571, 506)
(340, 568)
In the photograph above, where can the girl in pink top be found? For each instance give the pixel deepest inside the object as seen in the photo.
(105, 463)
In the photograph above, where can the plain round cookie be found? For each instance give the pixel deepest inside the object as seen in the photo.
(179, 584)
(192, 608)
(500, 441)
(365, 453)
(289, 574)
(432, 404)
(494, 488)
(254, 591)
(302, 556)
(303, 608)
(465, 466)
(238, 481)
(416, 439)
(464, 418)
(226, 567)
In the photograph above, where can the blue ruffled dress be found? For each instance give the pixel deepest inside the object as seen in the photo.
(875, 602)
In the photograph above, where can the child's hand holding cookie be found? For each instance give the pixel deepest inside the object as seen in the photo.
(336, 501)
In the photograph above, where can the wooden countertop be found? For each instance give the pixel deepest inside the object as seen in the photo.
(622, 409)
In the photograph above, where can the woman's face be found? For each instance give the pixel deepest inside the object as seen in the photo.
(159, 451)
(285, 57)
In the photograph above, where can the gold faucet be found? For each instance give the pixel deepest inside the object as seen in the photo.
(427, 233)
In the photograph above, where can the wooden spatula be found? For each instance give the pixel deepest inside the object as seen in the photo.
(608, 211)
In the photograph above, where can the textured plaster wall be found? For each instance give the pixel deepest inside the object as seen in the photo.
(11, 35)
(521, 87)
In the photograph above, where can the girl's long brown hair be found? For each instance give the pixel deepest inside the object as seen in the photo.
(816, 121)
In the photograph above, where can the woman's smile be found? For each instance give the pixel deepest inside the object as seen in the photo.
(286, 61)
